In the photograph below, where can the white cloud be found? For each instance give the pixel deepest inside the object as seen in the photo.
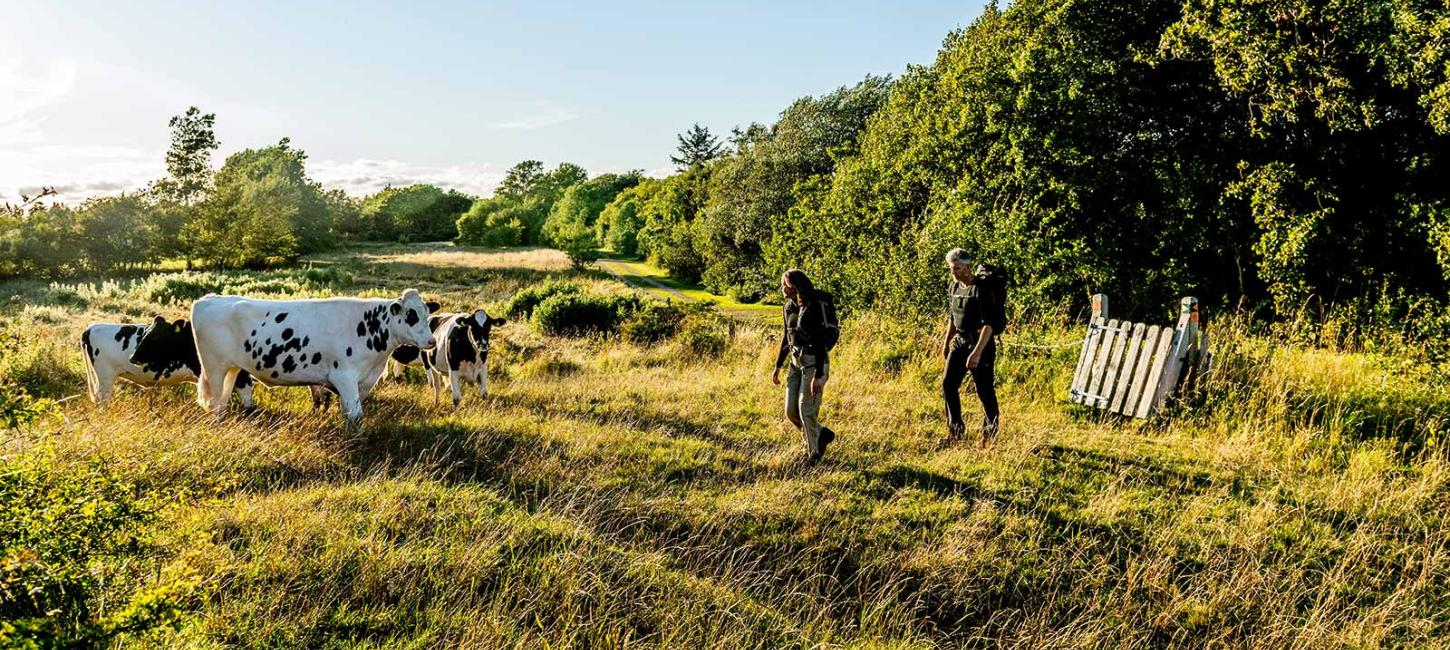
(366, 176)
(28, 92)
(537, 115)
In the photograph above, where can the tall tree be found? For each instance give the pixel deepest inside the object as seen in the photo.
(697, 146)
(188, 161)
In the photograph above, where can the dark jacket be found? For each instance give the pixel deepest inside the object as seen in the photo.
(805, 327)
(980, 303)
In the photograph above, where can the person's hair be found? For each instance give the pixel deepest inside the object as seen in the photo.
(804, 290)
(958, 256)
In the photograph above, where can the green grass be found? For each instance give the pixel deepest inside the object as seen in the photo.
(611, 495)
(635, 269)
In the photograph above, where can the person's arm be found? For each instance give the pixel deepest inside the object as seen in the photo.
(984, 336)
(784, 336)
(946, 342)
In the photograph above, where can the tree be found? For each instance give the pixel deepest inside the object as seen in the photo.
(572, 218)
(696, 147)
(754, 187)
(520, 207)
(115, 232)
(188, 161)
(263, 210)
(419, 212)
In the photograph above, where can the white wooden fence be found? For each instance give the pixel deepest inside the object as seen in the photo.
(1133, 368)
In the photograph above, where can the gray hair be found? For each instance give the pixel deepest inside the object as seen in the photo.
(958, 256)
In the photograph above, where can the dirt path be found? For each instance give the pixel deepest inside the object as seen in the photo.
(649, 285)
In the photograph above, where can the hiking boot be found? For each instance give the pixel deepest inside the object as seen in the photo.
(990, 426)
(827, 437)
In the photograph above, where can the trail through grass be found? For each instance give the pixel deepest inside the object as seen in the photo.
(612, 495)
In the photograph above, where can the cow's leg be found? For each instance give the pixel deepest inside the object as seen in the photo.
(455, 384)
(433, 379)
(244, 386)
(229, 383)
(350, 403)
(483, 380)
(396, 370)
(319, 397)
(105, 385)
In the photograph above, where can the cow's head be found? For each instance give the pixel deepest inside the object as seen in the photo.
(165, 342)
(409, 324)
(480, 329)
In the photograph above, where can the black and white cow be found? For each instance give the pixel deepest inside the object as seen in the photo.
(158, 354)
(409, 355)
(462, 353)
(339, 343)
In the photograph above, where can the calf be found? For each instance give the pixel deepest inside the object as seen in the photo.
(462, 353)
(409, 355)
(341, 344)
(159, 354)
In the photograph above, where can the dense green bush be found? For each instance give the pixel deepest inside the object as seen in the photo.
(522, 304)
(65, 531)
(573, 314)
(653, 322)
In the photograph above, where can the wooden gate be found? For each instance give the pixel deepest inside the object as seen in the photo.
(1133, 368)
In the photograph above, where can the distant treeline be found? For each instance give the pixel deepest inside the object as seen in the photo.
(1289, 157)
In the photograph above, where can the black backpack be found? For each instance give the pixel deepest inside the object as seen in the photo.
(831, 334)
(992, 281)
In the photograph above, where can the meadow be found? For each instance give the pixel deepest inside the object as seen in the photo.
(611, 494)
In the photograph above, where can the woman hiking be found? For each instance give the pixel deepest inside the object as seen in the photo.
(810, 331)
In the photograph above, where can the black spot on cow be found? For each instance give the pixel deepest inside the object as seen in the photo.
(289, 364)
(286, 334)
(124, 335)
(316, 358)
(349, 351)
(254, 332)
(274, 374)
(306, 340)
(362, 328)
(165, 348)
(243, 379)
(412, 318)
(406, 354)
(280, 317)
(247, 345)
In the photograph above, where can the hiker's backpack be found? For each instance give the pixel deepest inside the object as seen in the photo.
(831, 333)
(992, 284)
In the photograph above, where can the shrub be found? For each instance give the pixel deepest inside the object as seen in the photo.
(573, 314)
(652, 323)
(62, 532)
(705, 337)
(522, 304)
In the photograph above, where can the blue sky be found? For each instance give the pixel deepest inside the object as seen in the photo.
(453, 93)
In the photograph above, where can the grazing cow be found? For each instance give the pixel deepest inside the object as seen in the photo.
(159, 354)
(462, 353)
(341, 344)
(409, 355)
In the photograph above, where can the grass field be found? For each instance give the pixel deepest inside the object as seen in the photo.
(612, 495)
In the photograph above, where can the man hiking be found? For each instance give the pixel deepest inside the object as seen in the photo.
(810, 332)
(977, 314)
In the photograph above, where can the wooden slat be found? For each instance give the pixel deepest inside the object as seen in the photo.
(1126, 368)
(1085, 358)
(1152, 383)
(1115, 366)
(1140, 373)
(1185, 336)
(1100, 363)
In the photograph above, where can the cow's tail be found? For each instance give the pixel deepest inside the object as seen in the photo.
(93, 383)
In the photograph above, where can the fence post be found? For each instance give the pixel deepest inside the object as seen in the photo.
(1185, 338)
(1083, 375)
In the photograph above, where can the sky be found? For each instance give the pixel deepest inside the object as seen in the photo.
(451, 93)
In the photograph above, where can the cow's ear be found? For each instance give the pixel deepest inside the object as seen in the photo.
(480, 317)
(433, 306)
(396, 308)
(499, 322)
(160, 320)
